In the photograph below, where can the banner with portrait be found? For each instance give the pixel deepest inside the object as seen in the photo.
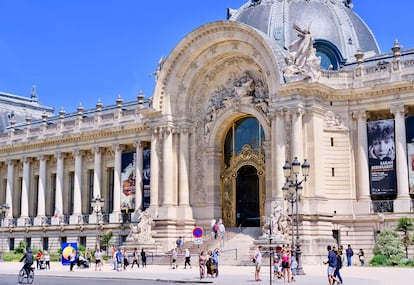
(128, 181)
(381, 154)
(410, 151)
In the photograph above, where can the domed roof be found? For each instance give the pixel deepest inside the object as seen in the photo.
(332, 23)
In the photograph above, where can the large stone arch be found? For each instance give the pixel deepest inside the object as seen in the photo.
(194, 65)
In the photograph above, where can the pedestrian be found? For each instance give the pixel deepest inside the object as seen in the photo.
(126, 261)
(72, 259)
(143, 258)
(179, 243)
(135, 258)
(88, 255)
(202, 259)
(286, 264)
(361, 256)
(293, 267)
(98, 259)
(113, 256)
(174, 256)
(332, 261)
(213, 225)
(221, 231)
(276, 268)
(47, 260)
(349, 253)
(337, 274)
(118, 257)
(187, 261)
(257, 257)
(215, 257)
(39, 256)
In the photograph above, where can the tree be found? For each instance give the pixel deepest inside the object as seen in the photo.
(405, 225)
(106, 239)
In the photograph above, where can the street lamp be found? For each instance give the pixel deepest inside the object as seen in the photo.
(97, 203)
(292, 191)
(4, 210)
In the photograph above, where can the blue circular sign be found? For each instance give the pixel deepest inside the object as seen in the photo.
(197, 232)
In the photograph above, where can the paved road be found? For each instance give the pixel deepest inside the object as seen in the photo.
(315, 274)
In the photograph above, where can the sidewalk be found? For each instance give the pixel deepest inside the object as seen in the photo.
(315, 274)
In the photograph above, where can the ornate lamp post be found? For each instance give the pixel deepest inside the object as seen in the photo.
(97, 204)
(292, 191)
(4, 210)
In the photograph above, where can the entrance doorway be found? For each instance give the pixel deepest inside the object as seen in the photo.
(247, 197)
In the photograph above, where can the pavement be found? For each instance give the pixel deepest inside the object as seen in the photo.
(314, 274)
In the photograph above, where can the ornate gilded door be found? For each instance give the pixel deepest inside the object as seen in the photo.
(243, 188)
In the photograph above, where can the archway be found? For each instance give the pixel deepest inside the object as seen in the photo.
(247, 197)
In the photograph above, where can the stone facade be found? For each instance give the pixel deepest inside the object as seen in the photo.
(218, 74)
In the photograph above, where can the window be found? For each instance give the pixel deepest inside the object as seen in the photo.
(331, 57)
(45, 243)
(246, 131)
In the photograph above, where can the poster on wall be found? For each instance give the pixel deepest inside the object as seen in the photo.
(146, 175)
(410, 151)
(67, 249)
(381, 154)
(128, 180)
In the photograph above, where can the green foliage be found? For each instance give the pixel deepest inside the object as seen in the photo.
(21, 248)
(81, 248)
(12, 256)
(389, 245)
(106, 239)
(378, 260)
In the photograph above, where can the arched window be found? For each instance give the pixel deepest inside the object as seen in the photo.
(331, 57)
(244, 131)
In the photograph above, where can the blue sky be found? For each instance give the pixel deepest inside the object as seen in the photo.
(79, 51)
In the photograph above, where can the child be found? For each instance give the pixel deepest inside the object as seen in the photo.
(293, 267)
(276, 269)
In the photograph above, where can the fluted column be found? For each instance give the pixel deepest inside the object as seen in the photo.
(297, 133)
(139, 161)
(401, 156)
(10, 186)
(183, 183)
(117, 178)
(41, 186)
(24, 210)
(363, 167)
(167, 156)
(77, 200)
(59, 183)
(279, 151)
(154, 179)
(97, 172)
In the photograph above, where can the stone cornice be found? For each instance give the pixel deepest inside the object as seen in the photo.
(328, 93)
(72, 139)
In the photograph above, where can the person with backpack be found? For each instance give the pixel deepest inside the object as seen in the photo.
(179, 243)
(28, 260)
(349, 253)
(337, 274)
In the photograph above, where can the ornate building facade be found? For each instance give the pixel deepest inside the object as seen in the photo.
(233, 101)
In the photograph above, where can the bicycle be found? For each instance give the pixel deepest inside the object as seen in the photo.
(23, 276)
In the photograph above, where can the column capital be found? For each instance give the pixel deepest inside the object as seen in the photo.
(78, 152)
(398, 109)
(297, 110)
(118, 147)
(360, 115)
(97, 149)
(42, 157)
(140, 144)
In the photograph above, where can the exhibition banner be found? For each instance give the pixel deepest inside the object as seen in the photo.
(381, 154)
(128, 180)
(410, 151)
(67, 248)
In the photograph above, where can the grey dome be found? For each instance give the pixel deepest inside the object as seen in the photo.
(332, 22)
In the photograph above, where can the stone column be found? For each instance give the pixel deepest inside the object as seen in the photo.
(41, 187)
(297, 133)
(59, 184)
(167, 159)
(183, 172)
(97, 172)
(117, 179)
(279, 151)
(363, 167)
(10, 186)
(139, 162)
(154, 179)
(77, 200)
(24, 210)
(401, 159)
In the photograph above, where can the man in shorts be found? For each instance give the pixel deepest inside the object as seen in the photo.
(332, 261)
